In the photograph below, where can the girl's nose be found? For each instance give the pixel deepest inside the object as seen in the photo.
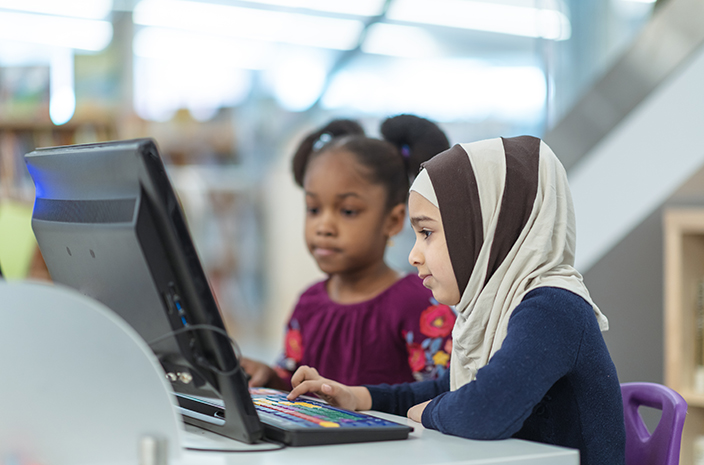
(325, 226)
(415, 258)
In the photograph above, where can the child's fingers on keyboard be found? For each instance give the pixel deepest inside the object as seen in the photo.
(303, 373)
(304, 388)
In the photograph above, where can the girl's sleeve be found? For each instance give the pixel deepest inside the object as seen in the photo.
(292, 354)
(398, 398)
(427, 333)
(283, 371)
(540, 347)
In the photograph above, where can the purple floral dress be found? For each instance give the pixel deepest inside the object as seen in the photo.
(400, 335)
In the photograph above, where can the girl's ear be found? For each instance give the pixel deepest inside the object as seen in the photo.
(395, 220)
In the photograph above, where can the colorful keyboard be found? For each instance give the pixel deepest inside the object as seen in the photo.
(306, 421)
(302, 422)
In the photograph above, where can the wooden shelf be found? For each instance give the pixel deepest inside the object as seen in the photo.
(45, 124)
(18, 137)
(693, 398)
(684, 270)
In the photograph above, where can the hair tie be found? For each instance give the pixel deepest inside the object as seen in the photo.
(405, 151)
(322, 140)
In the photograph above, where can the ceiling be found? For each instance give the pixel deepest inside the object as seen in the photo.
(453, 60)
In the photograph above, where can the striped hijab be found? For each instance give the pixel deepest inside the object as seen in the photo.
(509, 224)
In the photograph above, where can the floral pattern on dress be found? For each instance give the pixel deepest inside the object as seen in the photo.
(416, 357)
(423, 326)
(293, 348)
(437, 321)
(430, 357)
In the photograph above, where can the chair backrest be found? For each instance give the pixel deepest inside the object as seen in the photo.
(663, 446)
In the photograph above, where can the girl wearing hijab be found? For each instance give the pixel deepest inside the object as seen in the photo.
(495, 237)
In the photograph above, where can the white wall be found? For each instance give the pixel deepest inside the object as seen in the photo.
(653, 159)
(640, 163)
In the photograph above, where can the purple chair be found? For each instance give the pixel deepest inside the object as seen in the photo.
(663, 446)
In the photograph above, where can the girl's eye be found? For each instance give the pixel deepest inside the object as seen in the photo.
(348, 212)
(312, 210)
(426, 234)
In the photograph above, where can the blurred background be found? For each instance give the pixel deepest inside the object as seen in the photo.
(228, 88)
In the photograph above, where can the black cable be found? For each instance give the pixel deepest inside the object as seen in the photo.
(206, 364)
(202, 361)
(280, 445)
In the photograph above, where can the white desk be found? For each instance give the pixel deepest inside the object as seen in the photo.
(73, 357)
(423, 447)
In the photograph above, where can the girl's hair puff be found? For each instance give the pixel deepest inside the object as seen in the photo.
(393, 162)
(418, 140)
(316, 141)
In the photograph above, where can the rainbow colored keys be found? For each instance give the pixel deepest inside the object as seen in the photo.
(273, 407)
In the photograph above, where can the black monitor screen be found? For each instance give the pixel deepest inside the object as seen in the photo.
(109, 225)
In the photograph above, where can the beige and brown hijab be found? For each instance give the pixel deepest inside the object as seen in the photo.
(509, 224)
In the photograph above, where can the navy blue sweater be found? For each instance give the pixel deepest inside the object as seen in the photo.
(552, 381)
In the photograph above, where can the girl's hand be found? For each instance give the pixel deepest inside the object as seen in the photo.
(307, 379)
(415, 413)
(260, 374)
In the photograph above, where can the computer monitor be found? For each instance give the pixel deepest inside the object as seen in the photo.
(109, 224)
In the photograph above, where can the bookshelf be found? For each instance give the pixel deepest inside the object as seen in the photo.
(684, 274)
(220, 196)
(18, 137)
(18, 250)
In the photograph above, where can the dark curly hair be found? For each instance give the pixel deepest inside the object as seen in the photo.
(409, 140)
